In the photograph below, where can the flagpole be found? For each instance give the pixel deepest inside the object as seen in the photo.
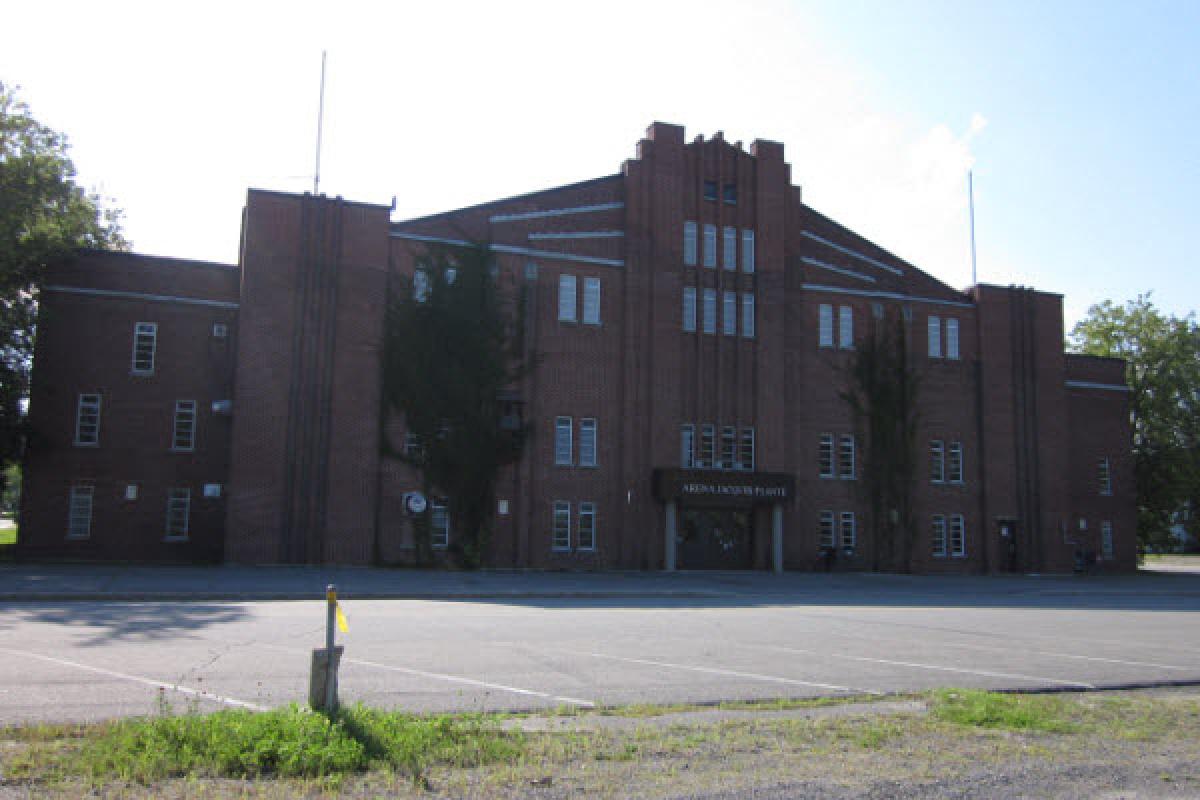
(971, 205)
(320, 126)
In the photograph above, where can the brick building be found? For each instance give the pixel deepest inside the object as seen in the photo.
(691, 322)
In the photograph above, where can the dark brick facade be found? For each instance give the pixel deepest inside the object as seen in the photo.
(301, 455)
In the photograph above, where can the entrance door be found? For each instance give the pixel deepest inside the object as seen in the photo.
(1007, 549)
(715, 539)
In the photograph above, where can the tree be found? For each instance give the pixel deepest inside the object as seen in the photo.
(44, 217)
(449, 355)
(881, 392)
(1162, 355)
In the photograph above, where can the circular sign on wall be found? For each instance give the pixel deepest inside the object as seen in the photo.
(415, 503)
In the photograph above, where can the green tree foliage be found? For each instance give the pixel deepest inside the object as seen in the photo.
(1162, 355)
(881, 391)
(44, 216)
(450, 353)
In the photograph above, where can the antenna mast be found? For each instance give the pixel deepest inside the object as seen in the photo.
(320, 126)
(971, 205)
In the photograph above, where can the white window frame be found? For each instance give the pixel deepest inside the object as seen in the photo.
(183, 433)
(564, 445)
(79, 512)
(937, 461)
(710, 246)
(710, 311)
(587, 442)
(689, 243)
(591, 301)
(848, 530)
(958, 536)
(748, 251)
(439, 526)
(846, 328)
(935, 336)
(954, 463)
(1104, 474)
(705, 458)
(826, 530)
(687, 446)
(729, 303)
(748, 315)
(179, 510)
(729, 247)
(1106, 540)
(729, 447)
(585, 528)
(689, 309)
(87, 419)
(421, 285)
(568, 302)
(825, 325)
(746, 450)
(952, 351)
(827, 456)
(847, 466)
(938, 536)
(145, 345)
(560, 528)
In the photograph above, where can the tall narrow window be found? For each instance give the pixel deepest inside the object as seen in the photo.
(1104, 474)
(687, 446)
(952, 338)
(728, 447)
(825, 329)
(562, 525)
(846, 328)
(708, 436)
(729, 193)
(439, 525)
(562, 441)
(846, 469)
(566, 298)
(87, 421)
(729, 314)
(591, 301)
(747, 251)
(710, 310)
(689, 243)
(587, 526)
(958, 536)
(827, 532)
(79, 512)
(710, 245)
(746, 456)
(689, 308)
(587, 442)
(184, 437)
(938, 535)
(179, 505)
(935, 337)
(956, 462)
(1106, 540)
(420, 286)
(849, 530)
(145, 339)
(825, 455)
(748, 315)
(937, 461)
(729, 248)
(412, 446)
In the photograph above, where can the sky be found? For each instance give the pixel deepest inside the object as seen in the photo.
(1079, 120)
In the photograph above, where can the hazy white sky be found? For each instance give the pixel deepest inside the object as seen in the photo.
(1079, 119)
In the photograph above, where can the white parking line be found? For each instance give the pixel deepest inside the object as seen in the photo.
(934, 667)
(174, 687)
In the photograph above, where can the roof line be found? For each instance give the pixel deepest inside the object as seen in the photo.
(157, 298)
(183, 262)
(509, 199)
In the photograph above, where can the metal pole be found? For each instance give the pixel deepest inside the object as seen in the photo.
(971, 204)
(330, 622)
(320, 127)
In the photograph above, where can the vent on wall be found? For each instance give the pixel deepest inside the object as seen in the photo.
(220, 330)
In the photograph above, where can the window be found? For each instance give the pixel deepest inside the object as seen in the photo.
(451, 275)
(1104, 473)
(79, 512)
(587, 526)
(747, 251)
(746, 456)
(587, 442)
(877, 310)
(412, 446)
(846, 457)
(184, 437)
(729, 248)
(562, 525)
(708, 435)
(179, 503)
(562, 441)
(710, 245)
(566, 298)
(846, 328)
(937, 461)
(87, 421)
(420, 286)
(728, 447)
(729, 193)
(689, 308)
(958, 543)
(849, 537)
(938, 536)
(935, 337)
(825, 457)
(710, 190)
(729, 314)
(952, 338)
(826, 325)
(710, 310)
(689, 243)
(748, 315)
(591, 301)
(1106, 540)
(145, 337)
(956, 462)
(687, 446)
(439, 525)
(828, 535)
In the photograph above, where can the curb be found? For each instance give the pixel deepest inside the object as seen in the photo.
(250, 597)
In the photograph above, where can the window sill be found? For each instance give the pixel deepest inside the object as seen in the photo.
(175, 539)
(560, 549)
(86, 444)
(71, 538)
(136, 374)
(183, 449)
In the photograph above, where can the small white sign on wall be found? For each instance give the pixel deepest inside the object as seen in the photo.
(131, 491)
(502, 507)
(212, 490)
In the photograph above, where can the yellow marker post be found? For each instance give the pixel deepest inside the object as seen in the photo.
(331, 613)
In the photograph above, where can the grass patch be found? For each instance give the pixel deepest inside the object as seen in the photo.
(1014, 712)
(8, 536)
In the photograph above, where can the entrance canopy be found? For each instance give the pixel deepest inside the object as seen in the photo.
(726, 489)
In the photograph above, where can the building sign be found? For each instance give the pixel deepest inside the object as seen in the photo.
(713, 487)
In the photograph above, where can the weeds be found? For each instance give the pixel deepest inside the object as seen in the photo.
(1013, 712)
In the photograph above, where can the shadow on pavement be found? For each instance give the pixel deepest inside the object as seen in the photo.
(104, 623)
